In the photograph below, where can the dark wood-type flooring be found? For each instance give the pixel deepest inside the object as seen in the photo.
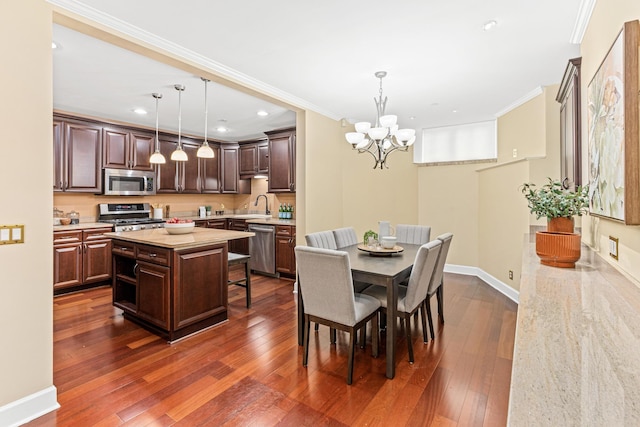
(248, 371)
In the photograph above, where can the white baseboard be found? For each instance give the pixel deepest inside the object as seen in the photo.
(29, 408)
(501, 287)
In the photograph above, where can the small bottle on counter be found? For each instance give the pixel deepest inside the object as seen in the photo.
(280, 212)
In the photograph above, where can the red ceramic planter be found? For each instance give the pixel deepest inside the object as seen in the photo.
(558, 249)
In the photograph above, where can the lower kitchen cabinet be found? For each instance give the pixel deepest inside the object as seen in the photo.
(80, 257)
(285, 250)
(172, 292)
(239, 246)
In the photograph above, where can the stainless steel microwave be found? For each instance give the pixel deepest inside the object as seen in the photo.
(125, 182)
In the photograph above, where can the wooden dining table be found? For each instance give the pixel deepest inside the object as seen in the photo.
(388, 271)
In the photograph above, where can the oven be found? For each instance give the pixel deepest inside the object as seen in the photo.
(128, 216)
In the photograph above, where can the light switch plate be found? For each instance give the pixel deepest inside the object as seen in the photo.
(613, 247)
(10, 234)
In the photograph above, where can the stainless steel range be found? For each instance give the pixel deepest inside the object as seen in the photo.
(128, 216)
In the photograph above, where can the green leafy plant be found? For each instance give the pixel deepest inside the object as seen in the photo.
(370, 233)
(552, 200)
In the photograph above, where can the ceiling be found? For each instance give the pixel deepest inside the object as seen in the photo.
(443, 68)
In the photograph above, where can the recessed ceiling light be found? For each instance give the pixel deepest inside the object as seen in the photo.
(454, 111)
(412, 118)
(140, 111)
(262, 113)
(489, 25)
(221, 129)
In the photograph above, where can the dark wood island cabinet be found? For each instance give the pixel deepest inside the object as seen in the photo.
(173, 285)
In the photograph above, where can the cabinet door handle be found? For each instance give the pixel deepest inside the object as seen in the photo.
(66, 238)
(135, 269)
(153, 255)
(124, 249)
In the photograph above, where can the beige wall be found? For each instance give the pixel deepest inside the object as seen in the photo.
(25, 187)
(607, 21)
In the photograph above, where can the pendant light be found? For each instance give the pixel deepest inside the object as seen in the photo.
(205, 151)
(157, 157)
(179, 155)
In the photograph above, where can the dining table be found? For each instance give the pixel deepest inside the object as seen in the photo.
(368, 267)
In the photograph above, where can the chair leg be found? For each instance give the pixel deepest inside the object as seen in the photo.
(363, 335)
(423, 313)
(440, 297)
(316, 327)
(247, 271)
(407, 321)
(383, 321)
(306, 326)
(428, 302)
(352, 349)
(374, 336)
(332, 335)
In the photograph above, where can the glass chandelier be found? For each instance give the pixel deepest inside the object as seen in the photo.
(384, 137)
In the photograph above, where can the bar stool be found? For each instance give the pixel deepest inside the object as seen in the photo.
(245, 282)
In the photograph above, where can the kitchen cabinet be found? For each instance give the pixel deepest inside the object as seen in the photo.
(254, 159)
(77, 156)
(127, 149)
(172, 292)
(285, 250)
(178, 177)
(231, 182)
(80, 257)
(239, 246)
(210, 172)
(282, 157)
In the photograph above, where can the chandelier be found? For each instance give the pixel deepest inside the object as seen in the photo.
(385, 137)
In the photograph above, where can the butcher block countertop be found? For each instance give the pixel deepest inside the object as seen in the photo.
(160, 237)
(576, 360)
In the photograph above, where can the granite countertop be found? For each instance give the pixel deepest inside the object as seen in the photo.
(82, 226)
(160, 237)
(576, 359)
(272, 221)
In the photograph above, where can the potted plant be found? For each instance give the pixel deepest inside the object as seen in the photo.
(556, 203)
(559, 246)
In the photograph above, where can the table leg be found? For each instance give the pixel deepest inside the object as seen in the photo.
(392, 297)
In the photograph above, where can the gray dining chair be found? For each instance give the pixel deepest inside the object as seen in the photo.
(436, 287)
(413, 234)
(328, 297)
(345, 237)
(411, 298)
(326, 240)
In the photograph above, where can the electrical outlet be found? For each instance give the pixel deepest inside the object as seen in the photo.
(511, 274)
(515, 153)
(613, 247)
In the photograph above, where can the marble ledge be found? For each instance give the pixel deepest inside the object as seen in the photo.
(576, 358)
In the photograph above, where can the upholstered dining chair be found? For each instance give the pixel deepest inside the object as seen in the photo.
(413, 234)
(328, 298)
(436, 287)
(345, 237)
(326, 240)
(411, 298)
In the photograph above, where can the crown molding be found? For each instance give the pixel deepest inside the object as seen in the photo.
(518, 102)
(582, 20)
(180, 52)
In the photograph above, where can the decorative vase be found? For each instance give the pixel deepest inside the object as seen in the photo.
(561, 224)
(558, 249)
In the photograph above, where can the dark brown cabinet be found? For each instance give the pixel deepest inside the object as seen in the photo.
(282, 158)
(210, 172)
(285, 249)
(169, 291)
(239, 246)
(178, 177)
(229, 168)
(126, 149)
(254, 159)
(77, 148)
(80, 258)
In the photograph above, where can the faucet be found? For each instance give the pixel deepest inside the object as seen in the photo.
(266, 204)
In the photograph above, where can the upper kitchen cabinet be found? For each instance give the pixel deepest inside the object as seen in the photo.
(77, 148)
(210, 172)
(127, 149)
(229, 171)
(282, 161)
(178, 177)
(254, 158)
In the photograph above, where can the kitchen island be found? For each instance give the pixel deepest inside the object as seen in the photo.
(172, 285)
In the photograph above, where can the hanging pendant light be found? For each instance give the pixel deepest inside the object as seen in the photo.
(205, 151)
(179, 155)
(157, 157)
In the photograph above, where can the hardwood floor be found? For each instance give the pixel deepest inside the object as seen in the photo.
(248, 371)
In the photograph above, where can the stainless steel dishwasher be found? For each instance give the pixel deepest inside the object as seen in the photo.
(262, 248)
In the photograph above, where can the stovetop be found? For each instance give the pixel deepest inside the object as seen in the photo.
(128, 217)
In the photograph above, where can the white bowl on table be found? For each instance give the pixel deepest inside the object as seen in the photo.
(388, 242)
(179, 227)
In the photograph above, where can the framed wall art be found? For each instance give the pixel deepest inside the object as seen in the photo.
(614, 142)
